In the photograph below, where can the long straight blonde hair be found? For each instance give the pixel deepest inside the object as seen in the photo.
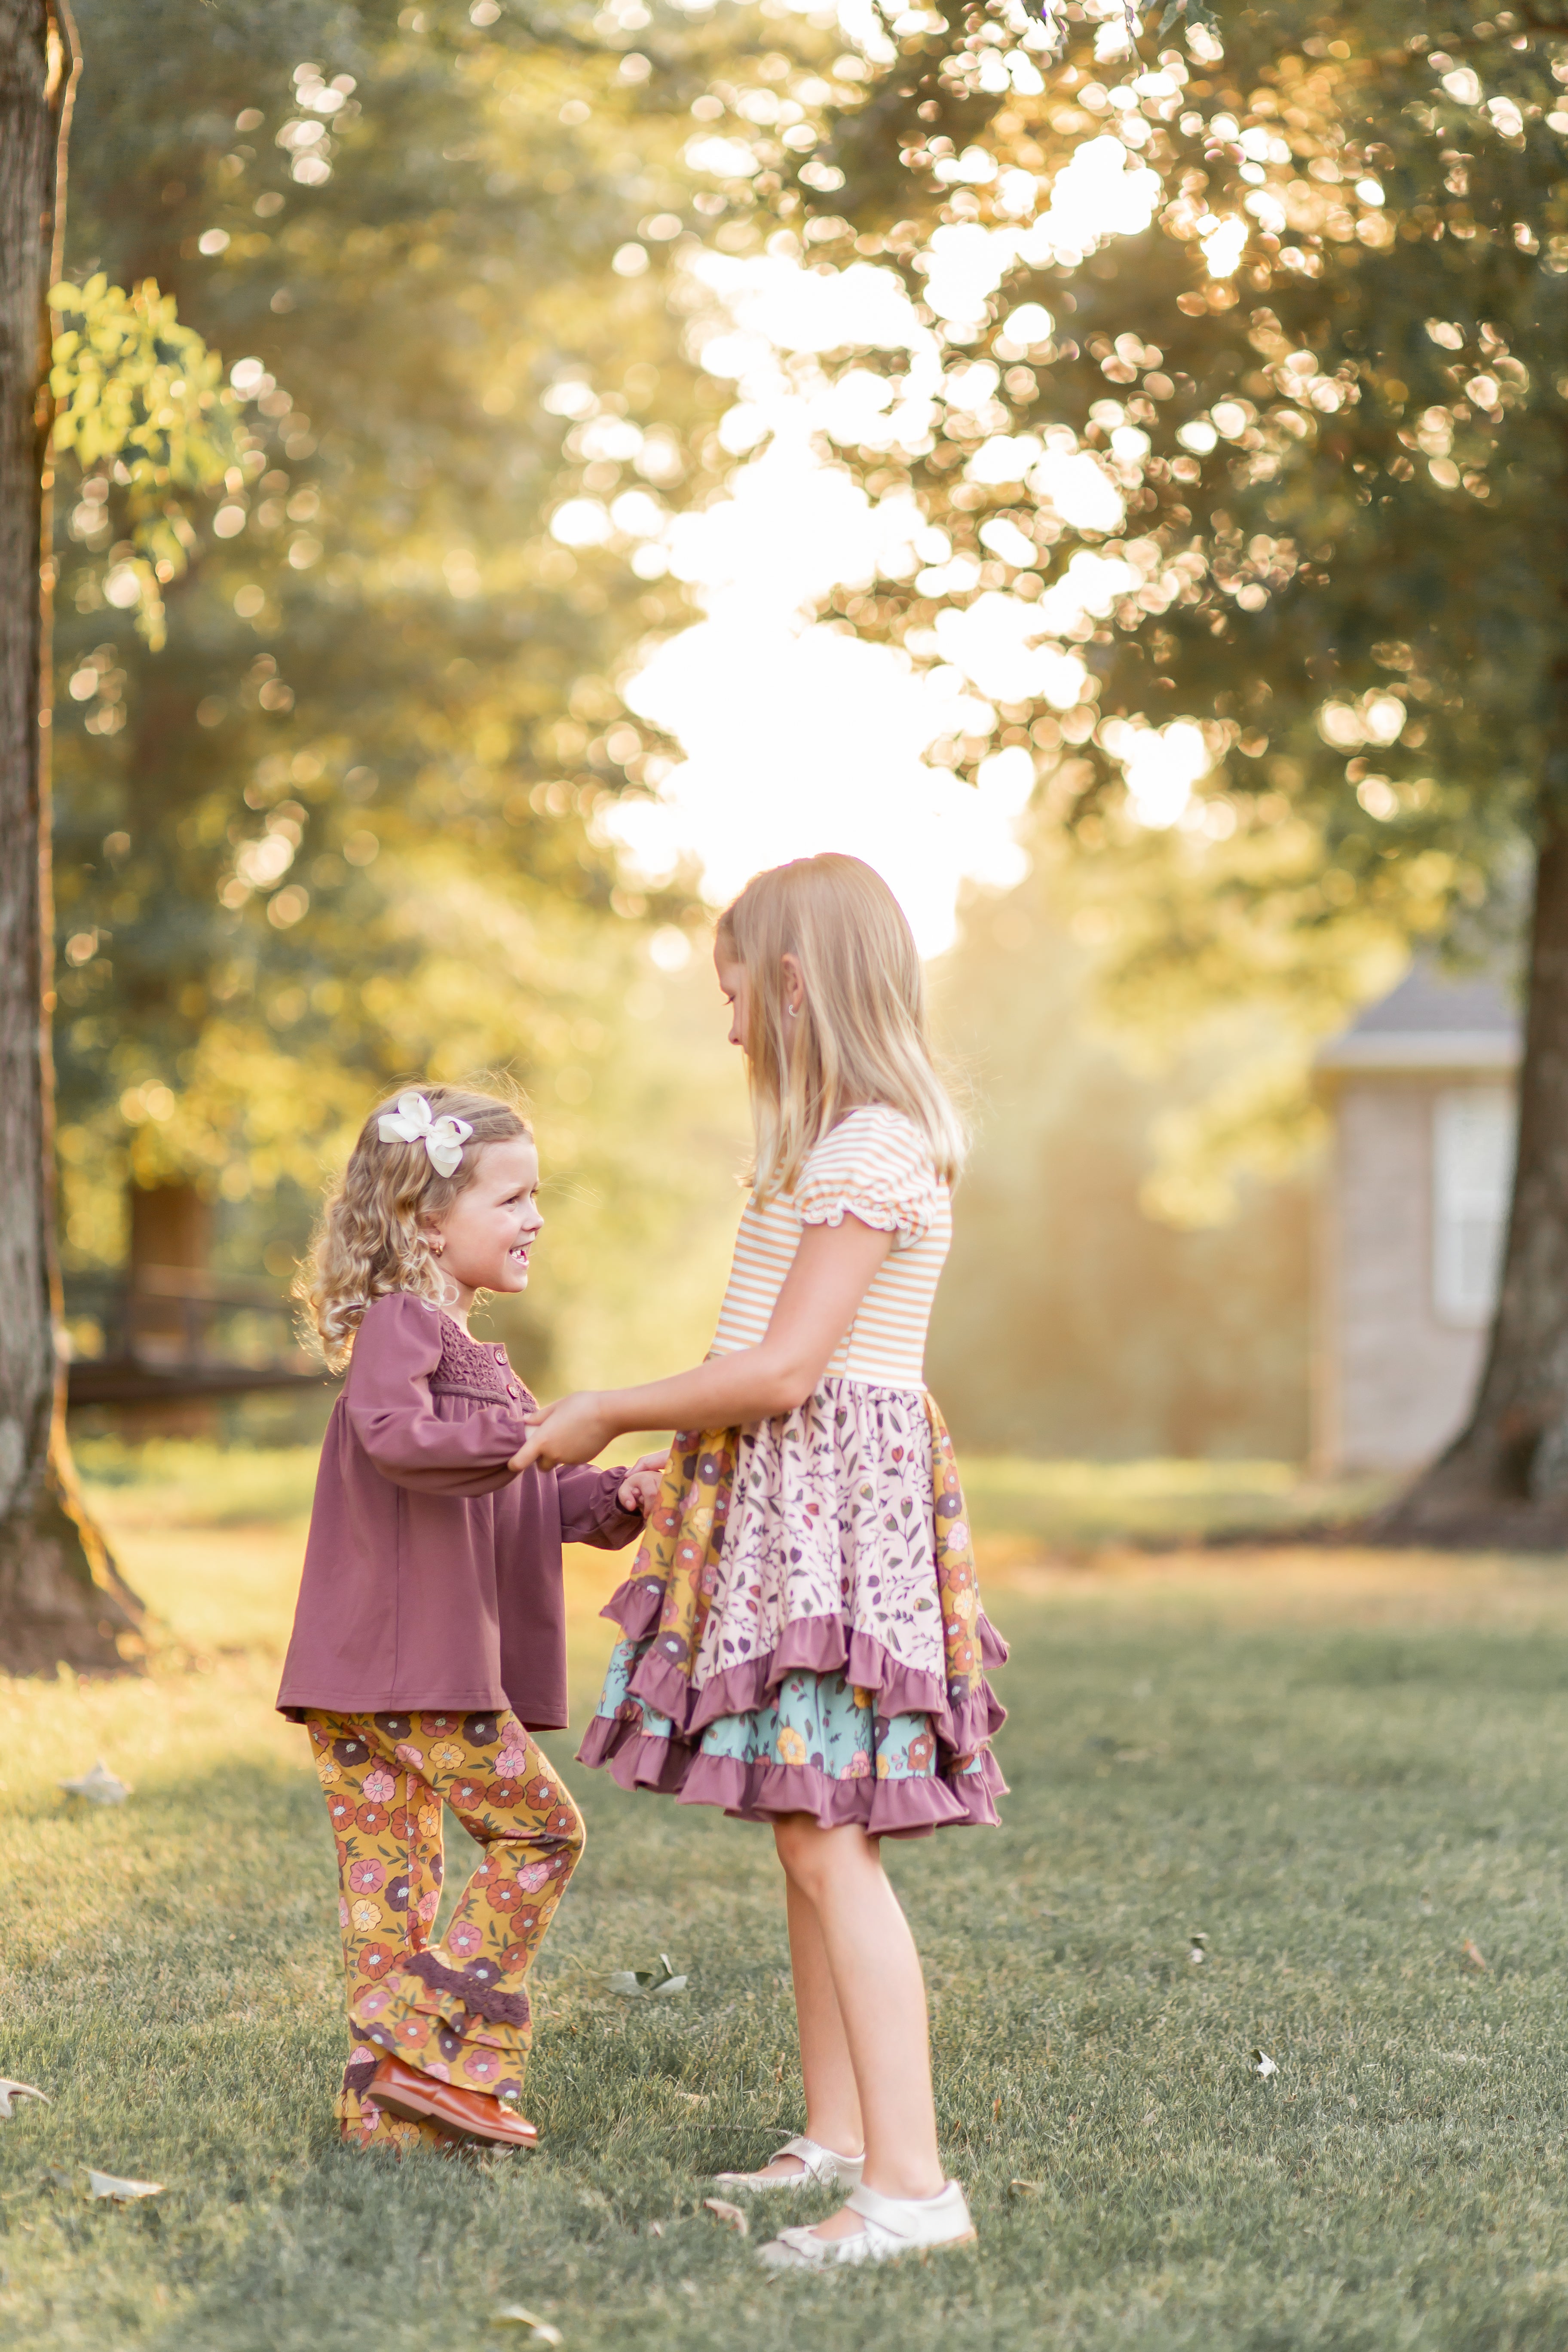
(859, 1036)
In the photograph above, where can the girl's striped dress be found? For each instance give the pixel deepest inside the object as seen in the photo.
(818, 1683)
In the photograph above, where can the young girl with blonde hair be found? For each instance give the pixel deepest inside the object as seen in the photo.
(803, 1641)
(429, 1638)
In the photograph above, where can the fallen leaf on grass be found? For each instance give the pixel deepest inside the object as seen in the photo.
(693, 2098)
(1263, 2065)
(517, 2314)
(99, 1786)
(9, 2091)
(109, 2184)
(1472, 1955)
(1027, 2187)
(1196, 1952)
(634, 1983)
(731, 2215)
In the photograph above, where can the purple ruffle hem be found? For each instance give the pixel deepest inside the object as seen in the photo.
(761, 1791)
(813, 1646)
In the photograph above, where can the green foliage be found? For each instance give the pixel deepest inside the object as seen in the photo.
(140, 401)
(1324, 394)
(1160, 16)
(343, 829)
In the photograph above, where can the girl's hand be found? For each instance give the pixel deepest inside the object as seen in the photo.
(638, 1491)
(574, 1429)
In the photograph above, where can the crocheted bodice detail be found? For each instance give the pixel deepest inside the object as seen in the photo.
(475, 1368)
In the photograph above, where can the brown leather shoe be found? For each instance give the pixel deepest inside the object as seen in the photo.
(404, 2090)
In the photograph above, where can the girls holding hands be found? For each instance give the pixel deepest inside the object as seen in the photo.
(429, 1639)
(802, 1640)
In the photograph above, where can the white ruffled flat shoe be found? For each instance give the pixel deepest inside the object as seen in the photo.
(893, 2226)
(819, 2165)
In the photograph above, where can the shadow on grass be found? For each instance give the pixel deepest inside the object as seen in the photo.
(1335, 1813)
(177, 1988)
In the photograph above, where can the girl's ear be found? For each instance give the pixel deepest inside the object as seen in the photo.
(436, 1240)
(794, 986)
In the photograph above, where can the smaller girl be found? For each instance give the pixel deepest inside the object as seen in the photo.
(429, 1639)
(803, 1639)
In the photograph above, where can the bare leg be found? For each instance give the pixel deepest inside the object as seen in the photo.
(874, 1973)
(832, 2103)
(832, 2100)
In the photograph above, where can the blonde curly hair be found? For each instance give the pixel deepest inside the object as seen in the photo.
(369, 1241)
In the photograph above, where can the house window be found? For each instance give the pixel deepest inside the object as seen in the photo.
(1472, 1178)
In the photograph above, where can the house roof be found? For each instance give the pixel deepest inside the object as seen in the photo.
(1433, 1022)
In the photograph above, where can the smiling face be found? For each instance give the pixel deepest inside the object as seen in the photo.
(484, 1239)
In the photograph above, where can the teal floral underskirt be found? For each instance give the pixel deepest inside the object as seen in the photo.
(814, 1745)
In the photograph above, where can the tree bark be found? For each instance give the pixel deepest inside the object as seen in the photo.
(61, 1599)
(1504, 1479)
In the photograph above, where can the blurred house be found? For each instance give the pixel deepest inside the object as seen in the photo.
(1412, 1216)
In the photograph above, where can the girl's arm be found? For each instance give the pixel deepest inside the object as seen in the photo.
(834, 1268)
(592, 1510)
(388, 1401)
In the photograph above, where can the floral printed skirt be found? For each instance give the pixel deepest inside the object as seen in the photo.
(808, 1671)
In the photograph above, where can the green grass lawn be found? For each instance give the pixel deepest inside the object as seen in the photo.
(1018, 1505)
(1333, 1766)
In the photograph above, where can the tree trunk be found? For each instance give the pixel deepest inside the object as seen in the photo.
(1504, 1480)
(171, 1232)
(61, 1599)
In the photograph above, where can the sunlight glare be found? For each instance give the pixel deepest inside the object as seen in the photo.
(797, 735)
(1160, 765)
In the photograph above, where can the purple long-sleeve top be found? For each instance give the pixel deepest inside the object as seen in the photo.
(432, 1573)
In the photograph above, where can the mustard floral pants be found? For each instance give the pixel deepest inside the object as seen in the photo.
(459, 2009)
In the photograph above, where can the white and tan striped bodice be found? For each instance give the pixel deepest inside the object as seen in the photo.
(875, 1165)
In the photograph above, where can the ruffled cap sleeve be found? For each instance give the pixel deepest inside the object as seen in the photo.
(875, 1165)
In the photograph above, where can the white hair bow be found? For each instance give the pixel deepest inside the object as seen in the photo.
(443, 1139)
